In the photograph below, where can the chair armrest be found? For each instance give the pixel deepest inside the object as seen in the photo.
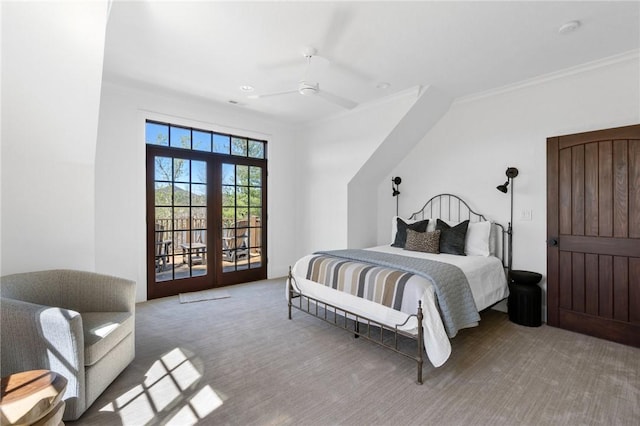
(92, 292)
(41, 337)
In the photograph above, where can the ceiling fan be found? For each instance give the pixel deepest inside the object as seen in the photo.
(309, 87)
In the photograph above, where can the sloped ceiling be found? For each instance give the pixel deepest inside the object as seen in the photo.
(211, 49)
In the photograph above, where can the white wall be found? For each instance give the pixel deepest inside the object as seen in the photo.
(120, 174)
(52, 55)
(334, 151)
(468, 151)
(428, 109)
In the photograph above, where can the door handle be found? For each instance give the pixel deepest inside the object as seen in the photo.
(553, 242)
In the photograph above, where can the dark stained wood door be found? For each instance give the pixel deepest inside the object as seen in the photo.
(593, 233)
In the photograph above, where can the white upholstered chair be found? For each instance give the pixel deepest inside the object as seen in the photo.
(78, 324)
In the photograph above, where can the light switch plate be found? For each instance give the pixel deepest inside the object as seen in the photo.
(526, 215)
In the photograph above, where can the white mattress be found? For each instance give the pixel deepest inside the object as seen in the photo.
(485, 275)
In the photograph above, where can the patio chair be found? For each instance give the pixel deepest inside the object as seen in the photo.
(162, 249)
(235, 242)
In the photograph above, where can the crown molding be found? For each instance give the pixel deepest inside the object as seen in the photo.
(630, 55)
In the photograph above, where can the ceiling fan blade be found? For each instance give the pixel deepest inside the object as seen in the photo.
(336, 30)
(345, 103)
(317, 65)
(269, 95)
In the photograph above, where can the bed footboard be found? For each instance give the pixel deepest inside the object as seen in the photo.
(351, 322)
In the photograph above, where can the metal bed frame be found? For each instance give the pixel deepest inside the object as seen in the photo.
(352, 322)
(452, 207)
(322, 309)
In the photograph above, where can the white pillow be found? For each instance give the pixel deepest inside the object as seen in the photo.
(394, 225)
(477, 239)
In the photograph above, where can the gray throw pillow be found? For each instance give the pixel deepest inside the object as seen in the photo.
(452, 238)
(401, 233)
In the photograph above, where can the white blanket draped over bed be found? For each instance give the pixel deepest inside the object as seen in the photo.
(486, 279)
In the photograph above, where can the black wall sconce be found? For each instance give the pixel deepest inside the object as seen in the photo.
(395, 181)
(511, 173)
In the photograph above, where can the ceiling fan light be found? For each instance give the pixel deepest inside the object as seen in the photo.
(307, 89)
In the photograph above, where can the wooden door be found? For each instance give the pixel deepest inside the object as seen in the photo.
(593, 233)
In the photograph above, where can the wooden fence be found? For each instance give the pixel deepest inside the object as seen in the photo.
(179, 233)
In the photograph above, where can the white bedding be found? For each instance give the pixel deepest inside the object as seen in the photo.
(485, 275)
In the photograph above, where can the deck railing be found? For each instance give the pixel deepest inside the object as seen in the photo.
(181, 233)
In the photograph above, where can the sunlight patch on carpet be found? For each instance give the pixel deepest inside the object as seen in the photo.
(198, 296)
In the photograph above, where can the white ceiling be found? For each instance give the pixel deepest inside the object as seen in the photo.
(210, 49)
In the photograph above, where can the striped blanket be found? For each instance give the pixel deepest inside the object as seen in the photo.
(389, 282)
(375, 283)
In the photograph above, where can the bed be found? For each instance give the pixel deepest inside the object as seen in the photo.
(391, 292)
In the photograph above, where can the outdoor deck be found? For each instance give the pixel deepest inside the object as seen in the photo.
(181, 269)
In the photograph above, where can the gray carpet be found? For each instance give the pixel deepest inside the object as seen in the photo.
(239, 361)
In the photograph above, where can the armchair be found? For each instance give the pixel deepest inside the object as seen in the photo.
(78, 324)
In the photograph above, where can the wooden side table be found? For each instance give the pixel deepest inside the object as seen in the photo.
(32, 398)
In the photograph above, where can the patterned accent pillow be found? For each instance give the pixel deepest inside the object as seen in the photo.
(427, 242)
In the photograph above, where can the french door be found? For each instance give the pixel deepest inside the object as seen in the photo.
(205, 220)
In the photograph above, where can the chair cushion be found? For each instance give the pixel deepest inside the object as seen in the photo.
(103, 331)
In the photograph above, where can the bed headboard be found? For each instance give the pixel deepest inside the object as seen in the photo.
(453, 208)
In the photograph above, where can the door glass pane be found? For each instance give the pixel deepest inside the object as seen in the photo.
(163, 193)
(198, 194)
(255, 176)
(242, 196)
(255, 196)
(242, 175)
(198, 172)
(241, 213)
(180, 218)
(181, 194)
(163, 169)
(228, 174)
(180, 170)
(256, 212)
(241, 218)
